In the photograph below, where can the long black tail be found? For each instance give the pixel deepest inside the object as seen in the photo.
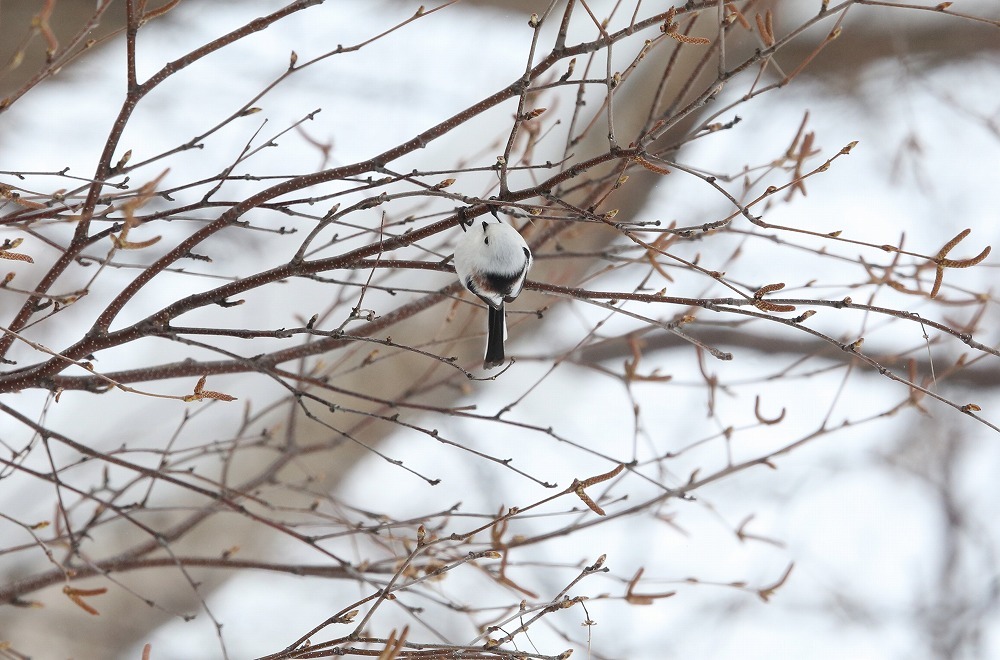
(494, 342)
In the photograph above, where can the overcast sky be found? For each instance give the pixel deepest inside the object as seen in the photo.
(850, 510)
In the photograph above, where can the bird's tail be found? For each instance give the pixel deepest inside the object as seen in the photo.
(497, 332)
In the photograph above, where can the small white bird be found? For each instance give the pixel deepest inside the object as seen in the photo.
(492, 261)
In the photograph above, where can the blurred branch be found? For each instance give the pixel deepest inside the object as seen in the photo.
(736, 338)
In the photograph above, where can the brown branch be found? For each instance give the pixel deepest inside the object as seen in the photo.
(38, 375)
(104, 167)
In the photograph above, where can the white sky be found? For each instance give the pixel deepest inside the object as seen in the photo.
(865, 537)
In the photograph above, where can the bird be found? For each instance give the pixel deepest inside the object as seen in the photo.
(492, 261)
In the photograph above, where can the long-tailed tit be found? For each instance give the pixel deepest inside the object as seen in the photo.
(492, 261)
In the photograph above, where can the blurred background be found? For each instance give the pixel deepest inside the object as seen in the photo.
(789, 502)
